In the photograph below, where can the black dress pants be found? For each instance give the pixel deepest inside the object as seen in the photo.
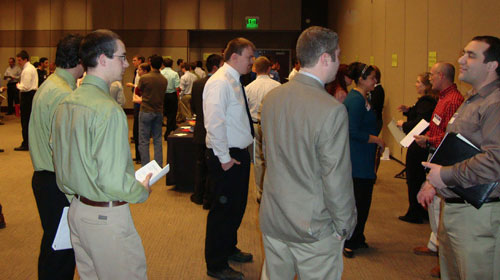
(12, 97)
(50, 202)
(415, 176)
(227, 207)
(363, 190)
(202, 182)
(170, 106)
(26, 102)
(135, 131)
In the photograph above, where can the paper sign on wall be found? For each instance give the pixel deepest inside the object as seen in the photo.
(34, 59)
(206, 55)
(167, 56)
(372, 60)
(432, 58)
(394, 62)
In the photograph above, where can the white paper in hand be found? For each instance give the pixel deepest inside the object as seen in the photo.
(419, 128)
(62, 239)
(155, 169)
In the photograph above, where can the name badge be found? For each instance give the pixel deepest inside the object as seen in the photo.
(436, 119)
(453, 118)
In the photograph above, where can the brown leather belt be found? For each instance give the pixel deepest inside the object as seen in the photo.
(87, 201)
(461, 201)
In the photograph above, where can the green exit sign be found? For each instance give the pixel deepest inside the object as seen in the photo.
(252, 22)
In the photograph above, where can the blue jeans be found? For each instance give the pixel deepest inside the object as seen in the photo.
(150, 125)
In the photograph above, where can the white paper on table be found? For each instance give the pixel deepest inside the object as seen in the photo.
(151, 167)
(180, 134)
(396, 132)
(62, 239)
(419, 128)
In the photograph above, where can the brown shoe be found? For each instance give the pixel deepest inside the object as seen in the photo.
(436, 272)
(424, 251)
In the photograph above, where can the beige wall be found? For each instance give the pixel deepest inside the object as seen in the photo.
(410, 29)
(146, 26)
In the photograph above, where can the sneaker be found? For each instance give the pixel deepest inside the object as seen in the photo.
(226, 274)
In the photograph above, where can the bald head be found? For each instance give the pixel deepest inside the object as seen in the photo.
(447, 69)
(442, 75)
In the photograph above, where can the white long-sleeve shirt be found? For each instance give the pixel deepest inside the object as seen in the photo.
(186, 83)
(226, 119)
(29, 78)
(256, 91)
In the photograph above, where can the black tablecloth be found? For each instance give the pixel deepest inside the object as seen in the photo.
(181, 157)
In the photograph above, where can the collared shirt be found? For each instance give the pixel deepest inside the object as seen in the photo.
(45, 102)
(42, 76)
(186, 83)
(14, 72)
(172, 78)
(153, 86)
(478, 120)
(90, 143)
(200, 72)
(311, 75)
(256, 91)
(29, 78)
(449, 101)
(226, 119)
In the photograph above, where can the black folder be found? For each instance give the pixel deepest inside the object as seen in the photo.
(455, 148)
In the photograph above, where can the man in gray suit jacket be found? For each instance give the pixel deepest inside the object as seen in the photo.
(308, 207)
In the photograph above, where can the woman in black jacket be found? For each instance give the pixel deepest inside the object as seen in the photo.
(415, 173)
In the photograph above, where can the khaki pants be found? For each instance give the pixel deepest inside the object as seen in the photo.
(259, 166)
(106, 243)
(434, 210)
(318, 260)
(470, 241)
(184, 111)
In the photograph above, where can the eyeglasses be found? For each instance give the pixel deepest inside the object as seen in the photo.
(123, 58)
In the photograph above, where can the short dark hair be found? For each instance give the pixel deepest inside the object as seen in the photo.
(156, 61)
(179, 61)
(67, 55)
(141, 58)
(213, 60)
(42, 60)
(199, 64)
(192, 65)
(23, 55)
(145, 67)
(101, 41)
(313, 42)
(168, 62)
(262, 64)
(493, 51)
(237, 46)
(359, 70)
(36, 64)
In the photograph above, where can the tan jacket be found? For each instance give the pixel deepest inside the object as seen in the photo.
(308, 193)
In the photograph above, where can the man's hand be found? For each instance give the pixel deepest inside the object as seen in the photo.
(403, 108)
(226, 166)
(434, 175)
(400, 123)
(426, 194)
(145, 183)
(129, 85)
(421, 140)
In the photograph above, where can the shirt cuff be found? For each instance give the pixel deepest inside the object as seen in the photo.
(447, 175)
(224, 158)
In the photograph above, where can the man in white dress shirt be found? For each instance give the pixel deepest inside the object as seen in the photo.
(27, 86)
(256, 91)
(229, 133)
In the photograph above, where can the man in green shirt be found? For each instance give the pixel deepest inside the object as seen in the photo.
(93, 162)
(49, 199)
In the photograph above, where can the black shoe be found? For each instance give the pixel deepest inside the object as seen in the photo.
(411, 220)
(226, 274)
(241, 257)
(363, 245)
(206, 204)
(21, 148)
(196, 200)
(348, 253)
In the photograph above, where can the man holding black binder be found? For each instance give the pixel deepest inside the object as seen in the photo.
(470, 237)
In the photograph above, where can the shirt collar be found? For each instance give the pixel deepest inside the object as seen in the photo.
(312, 76)
(26, 64)
(232, 71)
(66, 76)
(442, 93)
(489, 88)
(263, 76)
(96, 81)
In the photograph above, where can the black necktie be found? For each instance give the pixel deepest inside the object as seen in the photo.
(248, 112)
